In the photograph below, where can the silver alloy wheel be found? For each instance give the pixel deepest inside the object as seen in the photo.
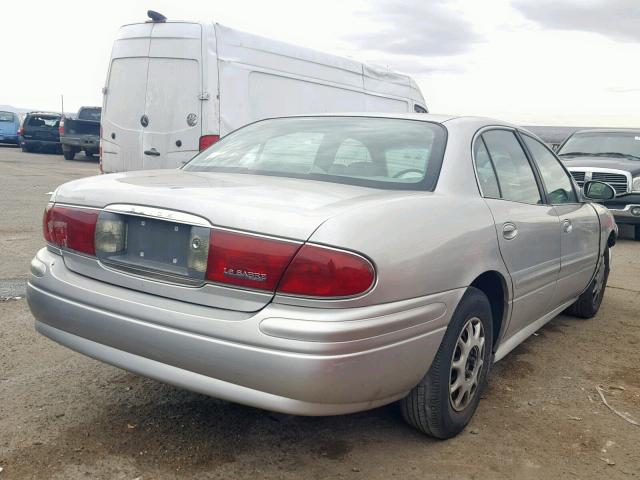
(466, 364)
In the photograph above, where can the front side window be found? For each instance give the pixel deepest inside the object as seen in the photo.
(556, 180)
(366, 151)
(515, 176)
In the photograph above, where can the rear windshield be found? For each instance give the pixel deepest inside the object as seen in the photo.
(51, 121)
(603, 144)
(373, 152)
(90, 114)
(7, 117)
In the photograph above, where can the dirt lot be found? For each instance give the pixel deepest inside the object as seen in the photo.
(63, 415)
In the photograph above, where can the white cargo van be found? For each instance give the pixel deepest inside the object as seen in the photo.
(173, 88)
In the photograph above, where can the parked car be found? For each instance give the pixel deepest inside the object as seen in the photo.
(39, 131)
(324, 265)
(9, 126)
(173, 88)
(81, 133)
(612, 156)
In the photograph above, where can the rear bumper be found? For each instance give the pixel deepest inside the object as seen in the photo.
(283, 358)
(90, 144)
(6, 138)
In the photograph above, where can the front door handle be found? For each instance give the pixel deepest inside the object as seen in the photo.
(153, 152)
(567, 226)
(509, 231)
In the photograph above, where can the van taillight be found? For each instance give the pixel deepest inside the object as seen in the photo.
(207, 140)
(70, 228)
(61, 128)
(247, 260)
(318, 271)
(20, 131)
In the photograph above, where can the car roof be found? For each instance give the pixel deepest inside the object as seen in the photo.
(425, 117)
(608, 130)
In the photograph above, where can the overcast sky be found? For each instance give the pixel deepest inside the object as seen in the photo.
(556, 62)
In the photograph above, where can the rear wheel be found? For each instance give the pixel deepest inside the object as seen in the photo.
(69, 153)
(444, 401)
(636, 232)
(25, 147)
(589, 302)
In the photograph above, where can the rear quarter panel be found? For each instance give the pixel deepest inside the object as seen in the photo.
(420, 244)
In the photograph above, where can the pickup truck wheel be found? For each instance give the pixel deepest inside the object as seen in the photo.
(69, 154)
(589, 302)
(444, 401)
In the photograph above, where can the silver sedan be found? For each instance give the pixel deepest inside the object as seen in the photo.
(323, 265)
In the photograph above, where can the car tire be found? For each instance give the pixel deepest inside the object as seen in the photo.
(636, 232)
(25, 148)
(588, 304)
(432, 406)
(69, 154)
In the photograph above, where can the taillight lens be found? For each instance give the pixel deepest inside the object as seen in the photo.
(61, 128)
(325, 272)
(20, 131)
(247, 260)
(72, 228)
(207, 140)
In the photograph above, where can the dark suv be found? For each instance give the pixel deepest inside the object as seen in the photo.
(611, 156)
(39, 131)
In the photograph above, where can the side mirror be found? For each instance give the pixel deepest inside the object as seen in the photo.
(594, 190)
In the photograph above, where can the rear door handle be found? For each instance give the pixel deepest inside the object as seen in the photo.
(153, 152)
(509, 231)
(567, 226)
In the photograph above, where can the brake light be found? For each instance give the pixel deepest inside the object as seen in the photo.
(20, 131)
(247, 260)
(326, 272)
(72, 228)
(61, 128)
(207, 140)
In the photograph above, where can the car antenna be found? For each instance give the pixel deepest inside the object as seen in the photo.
(156, 16)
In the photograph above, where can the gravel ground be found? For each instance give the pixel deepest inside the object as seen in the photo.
(63, 415)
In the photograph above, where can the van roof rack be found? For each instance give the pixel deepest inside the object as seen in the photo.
(156, 17)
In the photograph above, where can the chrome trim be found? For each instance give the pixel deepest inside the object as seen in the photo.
(158, 213)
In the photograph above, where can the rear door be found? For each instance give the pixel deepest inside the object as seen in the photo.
(528, 230)
(172, 100)
(124, 107)
(579, 224)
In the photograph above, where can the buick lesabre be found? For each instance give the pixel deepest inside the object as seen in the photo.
(323, 265)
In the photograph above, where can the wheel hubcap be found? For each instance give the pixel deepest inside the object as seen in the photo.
(466, 364)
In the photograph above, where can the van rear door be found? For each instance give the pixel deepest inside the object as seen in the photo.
(173, 105)
(124, 99)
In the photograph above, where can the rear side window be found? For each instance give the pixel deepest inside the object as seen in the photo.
(556, 180)
(515, 177)
(486, 173)
(7, 117)
(419, 109)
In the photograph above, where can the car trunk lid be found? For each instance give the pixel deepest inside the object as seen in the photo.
(289, 210)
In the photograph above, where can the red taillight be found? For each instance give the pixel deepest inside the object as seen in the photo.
(207, 140)
(72, 228)
(247, 260)
(325, 272)
(20, 131)
(61, 128)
